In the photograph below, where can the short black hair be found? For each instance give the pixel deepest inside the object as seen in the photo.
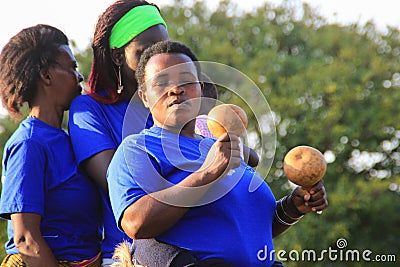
(209, 89)
(163, 47)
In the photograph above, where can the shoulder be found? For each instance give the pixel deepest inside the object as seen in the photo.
(85, 110)
(28, 132)
(144, 141)
(134, 140)
(23, 146)
(85, 106)
(83, 101)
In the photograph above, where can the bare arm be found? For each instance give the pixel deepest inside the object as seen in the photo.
(96, 167)
(151, 215)
(298, 203)
(29, 241)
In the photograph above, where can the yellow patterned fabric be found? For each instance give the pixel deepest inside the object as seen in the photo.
(15, 260)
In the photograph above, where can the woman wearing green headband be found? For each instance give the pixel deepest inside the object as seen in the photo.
(122, 33)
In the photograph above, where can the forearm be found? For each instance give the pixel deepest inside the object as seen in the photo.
(291, 208)
(36, 253)
(29, 241)
(285, 216)
(153, 214)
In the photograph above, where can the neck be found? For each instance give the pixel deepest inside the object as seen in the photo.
(187, 130)
(47, 115)
(129, 90)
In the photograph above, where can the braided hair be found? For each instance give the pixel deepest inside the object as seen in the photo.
(27, 53)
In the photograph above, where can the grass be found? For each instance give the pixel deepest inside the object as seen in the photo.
(3, 238)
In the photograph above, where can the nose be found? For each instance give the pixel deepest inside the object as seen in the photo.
(176, 90)
(80, 77)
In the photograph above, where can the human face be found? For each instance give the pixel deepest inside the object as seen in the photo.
(65, 78)
(172, 92)
(135, 48)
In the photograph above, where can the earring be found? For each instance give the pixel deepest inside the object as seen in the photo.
(120, 86)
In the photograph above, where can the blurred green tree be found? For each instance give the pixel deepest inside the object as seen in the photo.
(329, 86)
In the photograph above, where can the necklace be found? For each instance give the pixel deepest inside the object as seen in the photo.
(32, 116)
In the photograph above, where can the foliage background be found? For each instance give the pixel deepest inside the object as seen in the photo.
(336, 88)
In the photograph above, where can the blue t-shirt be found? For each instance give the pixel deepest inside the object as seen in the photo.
(230, 222)
(40, 176)
(95, 127)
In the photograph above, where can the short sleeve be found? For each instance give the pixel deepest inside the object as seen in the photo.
(89, 134)
(131, 175)
(23, 179)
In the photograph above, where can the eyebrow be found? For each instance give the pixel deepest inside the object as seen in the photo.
(180, 73)
(187, 72)
(161, 76)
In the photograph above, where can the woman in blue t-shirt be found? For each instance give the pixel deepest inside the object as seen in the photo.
(53, 210)
(193, 192)
(96, 119)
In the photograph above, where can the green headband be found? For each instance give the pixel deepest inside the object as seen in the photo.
(136, 21)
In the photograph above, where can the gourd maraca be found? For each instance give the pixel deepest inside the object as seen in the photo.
(304, 166)
(227, 118)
